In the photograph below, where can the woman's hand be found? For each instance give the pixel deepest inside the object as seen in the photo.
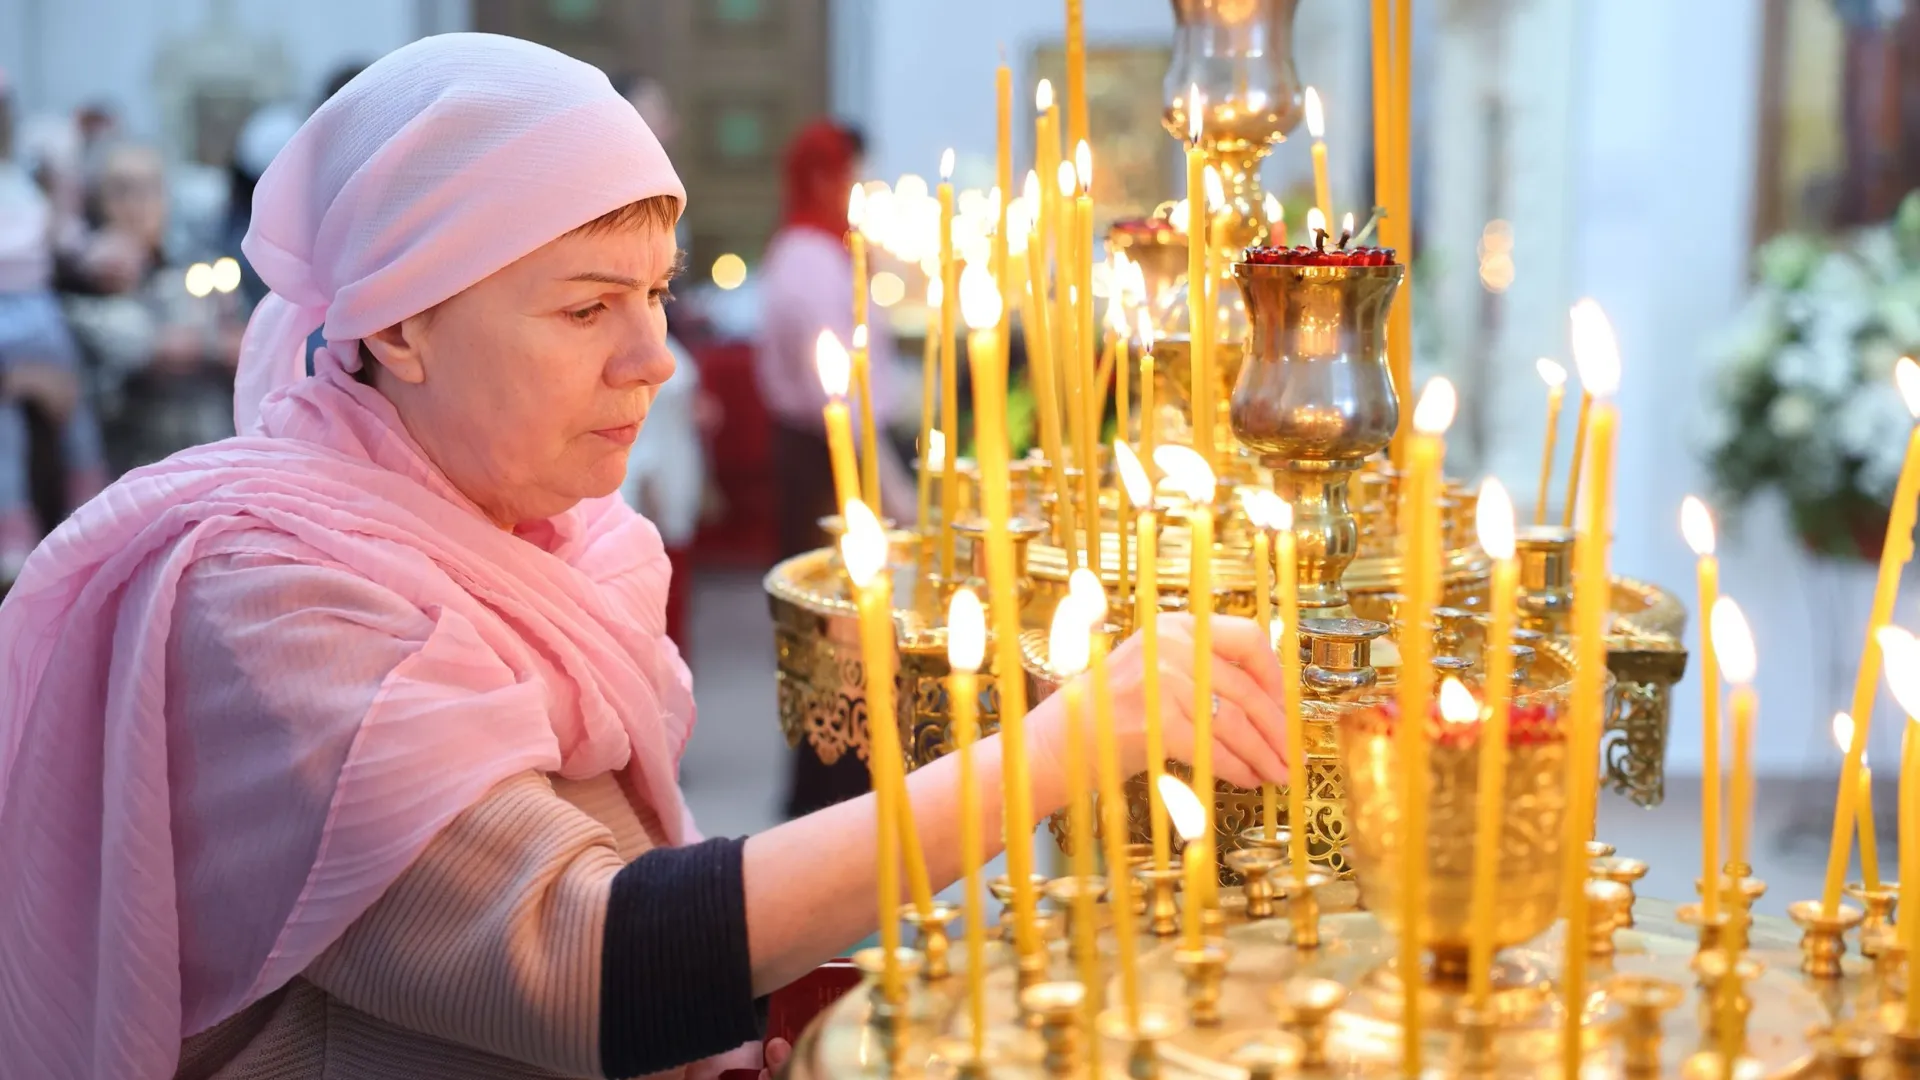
(1248, 725)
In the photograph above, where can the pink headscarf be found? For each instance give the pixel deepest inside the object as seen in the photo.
(442, 163)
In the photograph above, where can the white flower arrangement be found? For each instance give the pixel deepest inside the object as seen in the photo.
(1803, 395)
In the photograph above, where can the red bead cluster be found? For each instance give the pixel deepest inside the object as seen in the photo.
(1302, 255)
(1527, 725)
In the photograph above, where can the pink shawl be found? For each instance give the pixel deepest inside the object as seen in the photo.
(442, 163)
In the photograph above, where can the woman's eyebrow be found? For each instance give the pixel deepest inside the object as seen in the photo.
(606, 279)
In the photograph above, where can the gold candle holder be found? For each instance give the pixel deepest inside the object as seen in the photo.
(1163, 912)
(1879, 904)
(1205, 969)
(1057, 1007)
(1737, 894)
(1254, 864)
(1599, 849)
(1303, 907)
(1306, 1004)
(1711, 931)
(1156, 1025)
(1477, 1027)
(1523, 658)
(1450, 630)
(931, 938)
(1256, 837)
(1002, 889)
(1546, 578)
(1823, 937)
(1724, 996)
(871, 962)
(1607, 906)
(1625, 871)
(1339, 657)
(1844, 1050)
(1646, 998)
(1066, 892)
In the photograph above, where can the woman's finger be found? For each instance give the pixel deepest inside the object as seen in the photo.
(1177, 690)
(1265, 733)
(1242, 643)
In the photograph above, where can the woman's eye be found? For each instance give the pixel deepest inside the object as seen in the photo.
(587, 315)
(661, 296)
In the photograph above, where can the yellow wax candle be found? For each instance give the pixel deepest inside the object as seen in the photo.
(1094, 399)
(864, 549)
(1696, 524)
(869, 456)
(980, 304)
(1191, 474)
(1076, 73)
(1197, 233)
(1259, 515)
(1189, 816)
(1209, 391)
(1598, 357)
(1046, 161)
(1149, 409)
(949, 374)
(1067, 332)
(1579, 453)
(1902, 654)
(1286, 559)
(1067, 652)
(835, 368)
(1003, 136)
(1113, 801)
(1494, 516)
(1897, 549)
(1863, 801)
(1420, 495)
(1317, 128)
(1733, 641)
(1122, 508)
(1133, 478)
(966, 647)
(929, 383)
(1555, 377)
(1046, 386)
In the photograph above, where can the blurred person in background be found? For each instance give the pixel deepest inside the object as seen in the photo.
(806, 286)
(50, 459)
(161, 358)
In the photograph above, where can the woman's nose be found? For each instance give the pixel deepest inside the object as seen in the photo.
(645, 362)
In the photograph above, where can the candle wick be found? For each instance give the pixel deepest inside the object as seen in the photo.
(1345, 235)
(1320, 240)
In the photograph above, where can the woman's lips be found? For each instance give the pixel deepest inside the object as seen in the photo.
(623, 435)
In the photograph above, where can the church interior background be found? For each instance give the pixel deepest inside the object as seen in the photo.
(1643, 152)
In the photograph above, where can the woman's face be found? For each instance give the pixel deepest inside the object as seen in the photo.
(529, 388)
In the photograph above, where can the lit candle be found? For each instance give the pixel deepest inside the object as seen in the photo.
(1696, 524)
(980, 305)
(1894, 553)
(1148, 406)
(1067, 652)
(1902, 653)
(1863, 801)
(1420, 498)
(1113, 800)
(1117, 335)
(1197, 233)
(1261, 514)
(1317, 127)
(1046, 160)
(1210, 310)
(1494, 518)
(869, 456)
(1093, 397)
(1146, 612)
(929, 382)
(966, 647)
(1597, 354)
(1067, 333)
(1189, 816)
(1579, 453)
(1191, 474)
(1276, 221)
(1046, 384)
(863, 547)
(1733, 642)
(1286, 560)
(949, 374)
(1316, 228)
(1555, 377)
(835, 366)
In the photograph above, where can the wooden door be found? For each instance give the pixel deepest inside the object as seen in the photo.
(743, 75)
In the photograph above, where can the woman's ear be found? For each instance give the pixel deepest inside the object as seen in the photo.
(397, 349)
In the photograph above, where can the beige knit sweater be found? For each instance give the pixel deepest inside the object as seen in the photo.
(481, 962)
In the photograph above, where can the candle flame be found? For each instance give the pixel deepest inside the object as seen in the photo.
(1216, 191)
(966, 631)
(1276, 213)
(1133, 475)
(1551, 373)
(860, 337)
(1346, 224)
(936, 454)
(1030, 191)
(1906, 375)
(1596, 351)
(1117, 314)
(1188, 471)
(1493, 519)
(979, 298)
(1066, 178)
(835, 366)
(1144, 321)
(1316, 223)
(1183, 807)
(1843, 732)
(1434, 414)
(1083, 585)
(1265, 509)
(1457, 705)
(1901, 653)
(1194, 102)
(1083, 164)
(857, 206)
(1316, 116)
(946, 165)
(1043, 96)
(1732, 641)
(1696, 524)
(1067, 641)
(933, 292)
(1177, 217)
(863, 548)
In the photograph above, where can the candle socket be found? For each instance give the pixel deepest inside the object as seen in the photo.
(1305, 1005)
(1021, 530)
(1445, 667)
(1879, 904)
(1002, 889)
(930, 937)
(1523, 658)
(1722, 982)
(1546, 578)
(1477, 1027)
(1711, 930)
(1822, 936)
(1339, 657)
(1843, 1050)
(1157, 1024)
(1449, 630)
(1646, 998)
(1889, 963)
(1607, 905)
(1066, 894)
(1254, 864)
(1599, 849)
(1256, 837)
(1625, 871)
(1737, 895)
(1057, 1007)
(1303, 906)
(1205, 969)
(872, 963)
(1163, 912)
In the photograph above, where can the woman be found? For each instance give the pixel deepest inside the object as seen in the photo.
(346, 747)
